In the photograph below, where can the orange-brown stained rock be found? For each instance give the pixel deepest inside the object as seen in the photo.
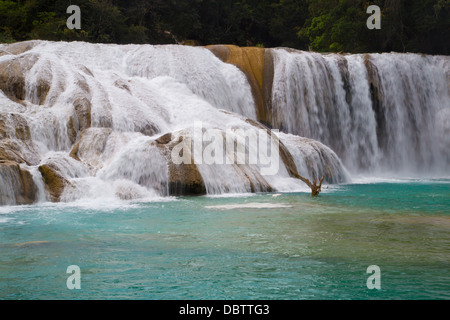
(250, 60)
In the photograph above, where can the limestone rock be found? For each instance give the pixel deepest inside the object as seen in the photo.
(184, 179)
(9, 151)
(250, 61)
(90, 146)
(14, 126)
(12, 76)
(147, 129)
(19, 47)
(376, 93)
(54, 182)
(311, 159)
(18, 151)
(15, 140)
(82, 110)
(13, 79)
(17, 185)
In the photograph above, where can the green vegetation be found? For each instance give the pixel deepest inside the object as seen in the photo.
(320, 25)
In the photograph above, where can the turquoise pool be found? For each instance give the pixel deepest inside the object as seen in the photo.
(263, 246)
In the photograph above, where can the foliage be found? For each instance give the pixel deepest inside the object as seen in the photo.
(320, 25)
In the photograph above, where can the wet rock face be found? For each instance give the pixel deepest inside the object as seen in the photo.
(251, 61)
(15, 140)
(13, 80)
(54, 182)
(14, 126)
(83, 110)
(81, 120)
(17, 185)
(19, 47)
(91, 146)
(198, 178)
(10, 150)
(184, 179)
(258, 66)
(376, 94)
(311, 159)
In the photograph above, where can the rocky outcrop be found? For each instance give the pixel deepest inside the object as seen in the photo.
(303, 157)
(91, 146)
(268, 74)
(82, 119)
(12, 76)
(376, 93)
(250, 61)
(18, 48)
(17, 184)
(14, 126)
(54, 182)
(191, 178)
(15, 140)
(82, 110)
(311, 159)
(18, 151)
(184, 179)
(258, 66)
(13, 81)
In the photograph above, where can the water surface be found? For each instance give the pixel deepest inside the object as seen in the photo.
(264, 246)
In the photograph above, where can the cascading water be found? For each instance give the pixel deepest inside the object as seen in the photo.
(97, 118)
(379, 112)
(102, 128)
(94, 114)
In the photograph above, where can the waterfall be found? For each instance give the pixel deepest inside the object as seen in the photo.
(9, 184)
(88, 121)
(378, 112)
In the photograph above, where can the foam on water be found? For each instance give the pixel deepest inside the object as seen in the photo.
(5, 220)
(250, 206)
(361, 179)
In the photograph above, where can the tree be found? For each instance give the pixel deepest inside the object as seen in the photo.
(287, 20)
(337, 26)
(12, 21)
(48, 26)
(316, 189)
(105, 22)
(321, 25)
